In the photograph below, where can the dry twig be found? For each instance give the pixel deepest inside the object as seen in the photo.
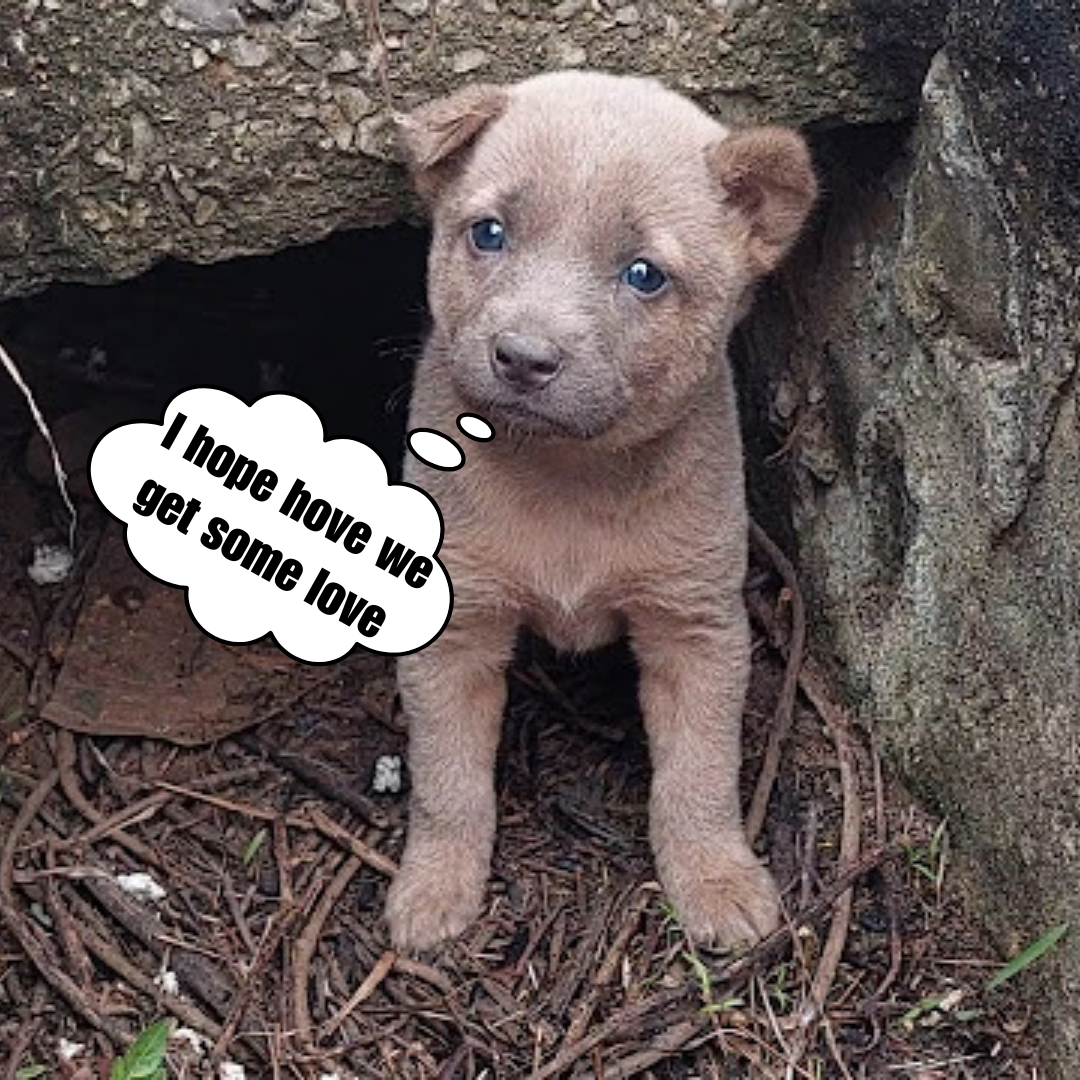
(785, 705)
(37, 949)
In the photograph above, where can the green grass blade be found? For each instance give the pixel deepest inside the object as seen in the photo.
(145, 1057)
(254, 846)
(1028, 956)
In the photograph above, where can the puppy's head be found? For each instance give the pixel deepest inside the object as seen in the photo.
(595, 239)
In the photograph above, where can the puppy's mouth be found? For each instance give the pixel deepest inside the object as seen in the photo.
(523, 418)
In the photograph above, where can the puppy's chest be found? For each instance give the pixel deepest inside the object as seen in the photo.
(569, 577)
(576, 601)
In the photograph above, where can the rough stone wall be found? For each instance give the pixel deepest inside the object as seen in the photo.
(207, 129)
(933, 329)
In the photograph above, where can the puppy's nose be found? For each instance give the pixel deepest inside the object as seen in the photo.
(524, 361)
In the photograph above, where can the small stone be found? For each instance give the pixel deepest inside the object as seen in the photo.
(183, 186)
(344, 62)
(103, 159)
(142, 139)
(627, 15)
(215, 16)
(119, 92)
(95, 216)
(354, 103)
(468, 60)
(205, 208)
(246, 52)
(139, 214)
(320, 12)
(374, 139)
(67, 1050)
(337, 127)
(569, 55)
(386, 779)
(197, 1043)
(199, 57)
(413, 8)
(568, 9)
(142, 886)
(315, 56)
(14, 235)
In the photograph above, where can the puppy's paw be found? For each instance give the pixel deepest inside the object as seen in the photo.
(723, 897)
(434, 898)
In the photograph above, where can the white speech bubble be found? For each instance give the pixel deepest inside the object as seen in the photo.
(353, 561)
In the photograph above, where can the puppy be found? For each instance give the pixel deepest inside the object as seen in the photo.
(596, 238)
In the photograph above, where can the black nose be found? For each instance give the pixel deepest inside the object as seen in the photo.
(524, 361)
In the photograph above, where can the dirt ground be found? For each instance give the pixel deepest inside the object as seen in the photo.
(268, 850)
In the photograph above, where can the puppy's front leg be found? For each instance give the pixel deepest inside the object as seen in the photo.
(693, 683)
(453, 693)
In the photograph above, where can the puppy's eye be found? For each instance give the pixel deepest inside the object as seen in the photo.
(488, 234)
(644, 277)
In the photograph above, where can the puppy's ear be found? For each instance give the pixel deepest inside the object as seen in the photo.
(765, 173)
(434, 136)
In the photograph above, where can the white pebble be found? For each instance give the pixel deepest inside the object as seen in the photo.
(142, 886)
(66, 1050)
(229, 1070)
(52, 564)
(468, 60)
(198, 1043)
(387, 777)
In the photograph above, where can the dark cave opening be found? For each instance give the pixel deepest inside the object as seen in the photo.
(337, 323)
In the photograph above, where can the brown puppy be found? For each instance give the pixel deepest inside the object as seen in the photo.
(595, 239)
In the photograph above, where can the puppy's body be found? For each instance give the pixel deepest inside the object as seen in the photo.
(611, 499)
(574, 540)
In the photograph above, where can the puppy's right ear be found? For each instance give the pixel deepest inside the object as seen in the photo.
(435, 135)
(767, 176)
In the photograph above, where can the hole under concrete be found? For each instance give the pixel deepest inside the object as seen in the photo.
(337, 323)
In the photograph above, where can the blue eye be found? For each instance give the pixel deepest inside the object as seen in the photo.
(488, 234)
(643, 277)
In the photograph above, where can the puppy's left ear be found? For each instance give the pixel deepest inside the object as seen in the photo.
(434, 136)
(766, 175)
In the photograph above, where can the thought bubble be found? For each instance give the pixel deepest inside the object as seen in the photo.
(271, 529)
(440, 451)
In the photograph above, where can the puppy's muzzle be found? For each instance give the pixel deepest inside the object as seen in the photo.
(524, 362)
